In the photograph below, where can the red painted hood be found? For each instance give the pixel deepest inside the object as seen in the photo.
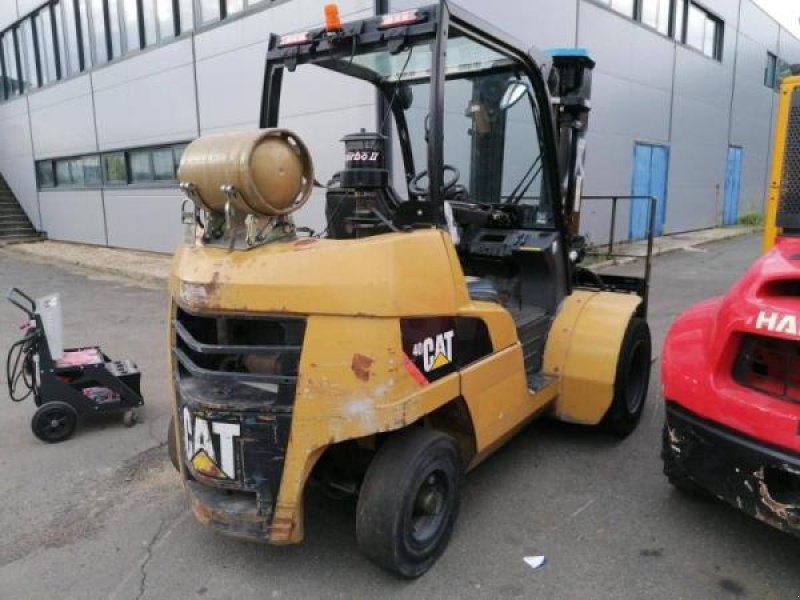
(702, 345)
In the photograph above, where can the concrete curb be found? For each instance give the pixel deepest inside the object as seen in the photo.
(151, 268)
(148, 268)
(676, 243)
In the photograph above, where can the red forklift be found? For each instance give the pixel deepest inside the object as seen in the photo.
(731, 364)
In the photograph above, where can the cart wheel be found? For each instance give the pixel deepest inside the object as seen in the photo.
(54, 421)
(130, 418)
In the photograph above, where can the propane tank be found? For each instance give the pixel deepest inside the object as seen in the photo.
(266, 172)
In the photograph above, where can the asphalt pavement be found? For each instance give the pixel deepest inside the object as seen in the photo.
(103, 515)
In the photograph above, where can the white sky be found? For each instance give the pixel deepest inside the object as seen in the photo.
(785, 11)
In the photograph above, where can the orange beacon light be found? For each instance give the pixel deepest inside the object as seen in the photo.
(332, 21)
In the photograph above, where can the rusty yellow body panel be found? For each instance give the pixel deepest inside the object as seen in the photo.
(582, 352)
(352, 384)
(375, 276)
(771, 231)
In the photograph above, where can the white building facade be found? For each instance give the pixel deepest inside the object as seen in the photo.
(98, 98)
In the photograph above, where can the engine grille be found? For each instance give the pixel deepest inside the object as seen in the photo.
(240, 370)
(770, 366)
(256, 345)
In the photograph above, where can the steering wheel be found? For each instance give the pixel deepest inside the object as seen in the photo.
(415, 188)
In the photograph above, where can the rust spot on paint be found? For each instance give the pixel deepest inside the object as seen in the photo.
(361, 365)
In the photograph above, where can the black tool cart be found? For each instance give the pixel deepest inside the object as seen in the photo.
(82, 383)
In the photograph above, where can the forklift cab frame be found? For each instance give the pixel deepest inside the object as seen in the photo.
(393, 39)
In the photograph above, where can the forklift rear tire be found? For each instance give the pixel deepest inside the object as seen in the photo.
(54, 421)
(172, 444)
(409, 501)
(631, 381)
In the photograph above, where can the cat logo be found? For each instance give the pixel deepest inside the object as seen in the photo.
(199, 445)
(436, 351)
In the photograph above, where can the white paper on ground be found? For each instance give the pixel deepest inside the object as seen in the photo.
(535, 562)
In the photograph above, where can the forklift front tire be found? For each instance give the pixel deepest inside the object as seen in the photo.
(54, 421)
(631, 381)
(409, 501)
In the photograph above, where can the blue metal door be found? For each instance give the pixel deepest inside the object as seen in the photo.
(733, 185)
(650, 169)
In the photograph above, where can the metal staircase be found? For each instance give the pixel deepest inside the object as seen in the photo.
(15, 226)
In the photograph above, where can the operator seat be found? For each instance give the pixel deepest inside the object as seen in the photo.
(482, 290)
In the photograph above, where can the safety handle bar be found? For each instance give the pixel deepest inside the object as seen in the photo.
(16, 296)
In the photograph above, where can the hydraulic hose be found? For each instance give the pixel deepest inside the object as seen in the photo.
(20, 366)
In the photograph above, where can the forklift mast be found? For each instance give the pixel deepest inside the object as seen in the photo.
(571, 87)
(782, 211)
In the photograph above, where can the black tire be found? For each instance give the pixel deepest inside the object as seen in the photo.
(675, 472)
(172, 444)
(409, 501)
(631, 381)
(54, 421)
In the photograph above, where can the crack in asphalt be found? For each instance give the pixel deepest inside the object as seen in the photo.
(148, 555)
(165, 528)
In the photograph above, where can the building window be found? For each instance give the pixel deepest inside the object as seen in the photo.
(163, 165)
(45, 174)
(771, 71)
(141, 166)
(114, 30)
(178, 153)
(62, 38)
(99, 32)
(10, 64)
(62, 50)
(656, 14)
(703, 31)
(3, 90)
(209, 11)
(71, 38)
(149, 20)
(82, 171)
(166, 20)
(47, 50)
(115, 170)
(625, 7)
(156, 166)
(233, 6)
(91, 170)
(186, 14)
(130, 19)
(69, 172)
(678, 31)
(27, 55)
(684, 20)
(83, 11)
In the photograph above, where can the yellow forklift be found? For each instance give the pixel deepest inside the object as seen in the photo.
(440, 311)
